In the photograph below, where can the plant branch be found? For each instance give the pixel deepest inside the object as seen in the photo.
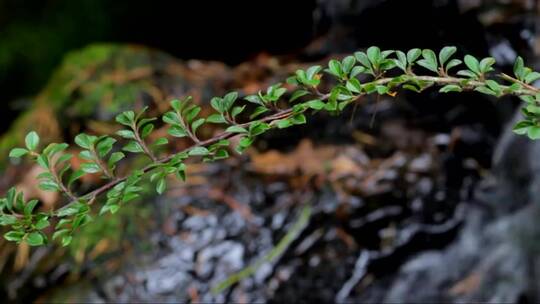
(282, 114)
(374, 64)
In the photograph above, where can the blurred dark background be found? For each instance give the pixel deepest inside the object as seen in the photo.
(34, 34)
(432, 154)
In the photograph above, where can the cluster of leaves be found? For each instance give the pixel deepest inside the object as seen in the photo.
(280, 106)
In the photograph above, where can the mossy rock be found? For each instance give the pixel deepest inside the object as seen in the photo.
(95, 83)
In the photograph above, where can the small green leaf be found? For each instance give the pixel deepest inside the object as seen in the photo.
(374, 56)
(411, 87)
(354, 85)
(90, 168)
(198, 151)
(115, 157)
(312, 71)
(129, 197)
(494, 86)
(18, 152)
(519, 68)
(532, 77)
(473, 64)
(257, 128)
(429, 60)
(284, 123)
(60, 233)
(514, 87)
(364, 60)
(176, 104)
(147, 129)
(196, 124)
(32, 140)
(133, 147)
(450, 88)
(387, 64)
(331, 105)
(72, 209)
(253, 99)
(215, 118)
(104, 146)
(297, 94)
(527, 98)
(533, 132)
(29, 208)
(221, 154)
(160, 142)
(467, 73)
(533, 108)
(452, 63)
(66, 240)
(42, 223)
(485, 65)
(381, 90)
(316, 104)
(335, 68)
(45, 175)
(301, 77)
(401, 61)
(236, 129)
(126, 134)
(75, 175)
(126, 118)
(35, 239)
(177, 131)
(217, 104)
(7, 219)
(43, 161)
(171, 118)
(357, 70)
(298, 119)
(14, 236)
(522, 127)
(485, 90)
(243, 144)
(413, 55)
(10, 197)
(161, 185)
(139, 114)
(63, 158)
(348, 63)
(446, 53)
(229, 99)
(191, 113)
(83, 141)
(143, 122)
(237, 110)
(258, 111)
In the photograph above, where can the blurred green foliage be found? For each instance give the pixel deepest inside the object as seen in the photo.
(34, 35)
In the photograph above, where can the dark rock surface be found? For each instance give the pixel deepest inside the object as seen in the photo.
(495, 256)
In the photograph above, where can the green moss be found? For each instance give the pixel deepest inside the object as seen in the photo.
(94, 83)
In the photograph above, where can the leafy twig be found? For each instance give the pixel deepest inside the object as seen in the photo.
(380, 71)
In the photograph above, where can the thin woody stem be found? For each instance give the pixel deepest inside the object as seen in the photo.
(63, 188)
(102, 165)
(143, 145)
(512, 79)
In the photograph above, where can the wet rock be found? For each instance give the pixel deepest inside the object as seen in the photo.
(495, 256)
